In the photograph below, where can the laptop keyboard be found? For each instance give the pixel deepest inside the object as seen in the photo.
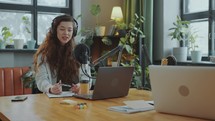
(88, 96)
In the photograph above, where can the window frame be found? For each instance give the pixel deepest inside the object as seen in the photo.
(210, 15)
(34, 9)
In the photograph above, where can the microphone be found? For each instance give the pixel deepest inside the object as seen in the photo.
(82, 53)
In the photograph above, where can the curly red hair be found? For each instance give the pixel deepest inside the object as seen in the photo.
(61, 61)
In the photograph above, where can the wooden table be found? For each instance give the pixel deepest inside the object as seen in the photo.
(39, 107)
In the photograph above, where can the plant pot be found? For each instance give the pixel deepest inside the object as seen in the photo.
(196, 56)
(100, 30)
(31, 44)
(18, 43)
(180, 53)
(114, 63)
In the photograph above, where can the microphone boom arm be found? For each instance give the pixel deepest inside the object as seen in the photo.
(105, 56)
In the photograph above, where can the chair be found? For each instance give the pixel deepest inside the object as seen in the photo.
(10, 81)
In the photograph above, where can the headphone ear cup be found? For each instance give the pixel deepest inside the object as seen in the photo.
(51, 29)
(75, 30)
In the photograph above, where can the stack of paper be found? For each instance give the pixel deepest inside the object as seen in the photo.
(133, 106)
(63, 94)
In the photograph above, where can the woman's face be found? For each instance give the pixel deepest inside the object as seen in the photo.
(64, 31)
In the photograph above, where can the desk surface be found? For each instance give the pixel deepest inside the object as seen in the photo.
(39, 107)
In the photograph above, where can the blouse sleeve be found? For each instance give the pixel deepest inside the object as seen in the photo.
(42, 77)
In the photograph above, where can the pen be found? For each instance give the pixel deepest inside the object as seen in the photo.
(66, 85)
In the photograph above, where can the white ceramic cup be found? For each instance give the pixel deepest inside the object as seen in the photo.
(18, 43)
(31, 44)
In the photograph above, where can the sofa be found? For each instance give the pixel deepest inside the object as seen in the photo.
(10, 81)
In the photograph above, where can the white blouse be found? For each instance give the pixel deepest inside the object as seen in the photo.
(45, 80)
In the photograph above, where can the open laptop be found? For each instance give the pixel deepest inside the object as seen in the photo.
(111, 82)
(184, 90)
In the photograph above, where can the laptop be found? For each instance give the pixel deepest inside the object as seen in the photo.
(111, 82)
(184, 90)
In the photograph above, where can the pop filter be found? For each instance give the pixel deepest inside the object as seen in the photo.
(82, 53)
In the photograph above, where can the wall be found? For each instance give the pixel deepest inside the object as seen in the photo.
(18, 58)
(165, 13)
(89, 21)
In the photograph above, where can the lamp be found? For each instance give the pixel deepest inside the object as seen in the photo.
(116, 13)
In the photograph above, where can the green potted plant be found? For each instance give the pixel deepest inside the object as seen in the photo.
(180, 33)
(6, 36)
(28, 79)
(95, 10)
(121, 28)
(87, 36)
(129, 42)
(196, 55)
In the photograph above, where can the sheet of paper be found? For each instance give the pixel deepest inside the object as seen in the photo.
(63, 94)
(137, 104)
(133, 106)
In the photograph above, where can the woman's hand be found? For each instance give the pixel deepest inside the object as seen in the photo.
(56, 88)
(75, 88)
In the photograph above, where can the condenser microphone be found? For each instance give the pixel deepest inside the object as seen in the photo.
(82, 53)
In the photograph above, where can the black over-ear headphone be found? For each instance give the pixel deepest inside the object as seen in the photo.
(64, 18)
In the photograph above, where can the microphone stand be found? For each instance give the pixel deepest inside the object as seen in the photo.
(105, 56)
(144, 63)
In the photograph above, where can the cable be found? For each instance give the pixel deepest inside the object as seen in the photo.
(85, 73)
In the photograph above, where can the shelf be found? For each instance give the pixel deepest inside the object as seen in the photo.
(98, 47)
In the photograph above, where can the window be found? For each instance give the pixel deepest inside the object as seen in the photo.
(8, 19)
(39, 12)
(44, 18)
(194, 6)
(26, 2)
(52, 3)
(201, 14)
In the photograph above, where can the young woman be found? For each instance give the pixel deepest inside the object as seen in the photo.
(54, 62)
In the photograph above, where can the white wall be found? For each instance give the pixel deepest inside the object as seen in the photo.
(164, 15)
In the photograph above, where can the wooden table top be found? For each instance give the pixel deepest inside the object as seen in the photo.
(39, 107)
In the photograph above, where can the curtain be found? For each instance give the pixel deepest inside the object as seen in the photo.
(141, 8)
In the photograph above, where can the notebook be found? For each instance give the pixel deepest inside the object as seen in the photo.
(184, 90)
(111, 82)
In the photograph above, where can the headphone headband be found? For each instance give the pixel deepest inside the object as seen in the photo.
(64, 18)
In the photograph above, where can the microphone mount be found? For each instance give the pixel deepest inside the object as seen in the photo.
(110, 53)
